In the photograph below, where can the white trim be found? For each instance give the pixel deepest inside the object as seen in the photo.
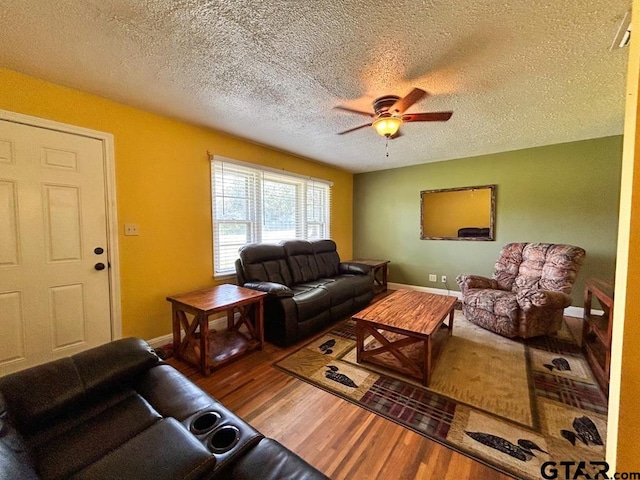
(216, 323)
(578, 312)
(572, 311)
(110, 202)
(158, 342)
(227, 176)
(418, 288)
(256, 166)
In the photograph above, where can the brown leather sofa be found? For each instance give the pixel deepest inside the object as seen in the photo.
(308, 286)
(118, 412)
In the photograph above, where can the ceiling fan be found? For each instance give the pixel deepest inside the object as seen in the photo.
(389, 113)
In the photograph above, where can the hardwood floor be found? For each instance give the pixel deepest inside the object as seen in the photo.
(340, 439)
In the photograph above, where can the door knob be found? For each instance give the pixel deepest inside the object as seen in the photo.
(99, 266)
(98, 250)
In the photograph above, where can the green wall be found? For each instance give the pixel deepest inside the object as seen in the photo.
(565, 193)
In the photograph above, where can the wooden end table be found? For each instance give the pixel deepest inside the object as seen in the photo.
(415, 317)
(379, 268)
(597, 330)
(208, 350)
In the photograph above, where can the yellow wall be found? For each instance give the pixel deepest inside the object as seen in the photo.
(625, 375)
(163, 184)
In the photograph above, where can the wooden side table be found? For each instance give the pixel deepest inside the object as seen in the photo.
(208, 350)
(379, 268)
(596, 337)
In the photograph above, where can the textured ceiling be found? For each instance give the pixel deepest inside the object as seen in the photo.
(516, 73)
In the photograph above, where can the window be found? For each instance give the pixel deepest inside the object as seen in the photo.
(256, 204)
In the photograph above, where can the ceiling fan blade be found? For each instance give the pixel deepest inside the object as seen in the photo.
(356, 128)
(427, 117)
(405, 102)
(368, 114)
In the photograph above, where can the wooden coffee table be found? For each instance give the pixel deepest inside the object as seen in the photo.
(400, 320)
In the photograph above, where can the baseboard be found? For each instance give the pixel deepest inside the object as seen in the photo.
(418, 288)
(220, 323)
(572, 311)
(217, 323)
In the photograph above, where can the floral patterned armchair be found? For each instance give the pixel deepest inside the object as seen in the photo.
(528, 292)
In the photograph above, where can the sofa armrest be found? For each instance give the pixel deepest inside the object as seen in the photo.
(272, 288)
(475, 281)
(164, 451)
(354, 268)
(546, 299)
(270, 460)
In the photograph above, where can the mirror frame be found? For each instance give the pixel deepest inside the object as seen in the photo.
(492, 216)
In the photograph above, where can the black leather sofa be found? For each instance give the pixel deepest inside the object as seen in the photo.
(118, 412)
(308, 286)
(473, 232)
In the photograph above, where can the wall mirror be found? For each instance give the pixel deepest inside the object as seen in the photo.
(465, 213)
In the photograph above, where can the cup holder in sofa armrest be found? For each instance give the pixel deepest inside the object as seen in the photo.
(225, 435)
(224, 439)
(204, 422)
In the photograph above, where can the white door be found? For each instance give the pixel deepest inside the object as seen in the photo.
(54, 296)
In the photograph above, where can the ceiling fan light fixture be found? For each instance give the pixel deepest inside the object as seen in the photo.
(387, 126)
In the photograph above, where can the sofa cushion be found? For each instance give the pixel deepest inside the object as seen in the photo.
(508, 264)
(311, 302)
(265, 262)
(549, 267)
(538, 265)
(76, 414)
(340, 289)
(498, 302)
(326, 257)
(78, 447)
(313, 284)
(361, 284)
(301, 260)
(343, 288)
(41, 392)
(505, 326)
(166, 450)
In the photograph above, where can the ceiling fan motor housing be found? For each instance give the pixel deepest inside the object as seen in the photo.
(381, 104)
(389, 113)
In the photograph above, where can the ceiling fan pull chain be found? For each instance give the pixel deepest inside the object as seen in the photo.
(386, 145)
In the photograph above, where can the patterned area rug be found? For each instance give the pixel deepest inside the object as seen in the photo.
(510, 404)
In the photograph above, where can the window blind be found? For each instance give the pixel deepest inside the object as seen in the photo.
(252, 204)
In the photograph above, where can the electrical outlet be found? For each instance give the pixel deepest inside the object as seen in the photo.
(443, 279)
(433, 277)
(131, 229)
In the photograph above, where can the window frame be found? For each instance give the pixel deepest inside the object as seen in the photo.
(255, 178)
